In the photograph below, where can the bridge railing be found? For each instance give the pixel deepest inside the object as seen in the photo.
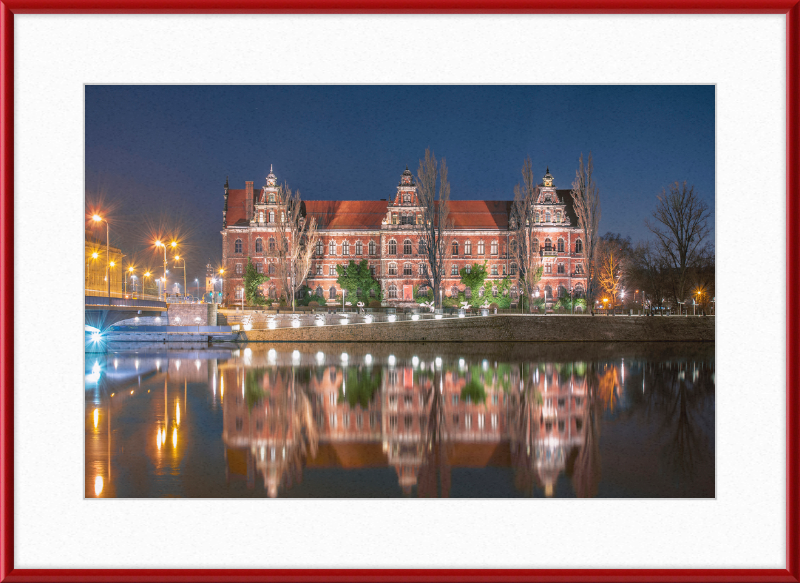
(123, 302)
(116, 294)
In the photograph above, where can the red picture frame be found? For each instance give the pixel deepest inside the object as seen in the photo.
(791, 8)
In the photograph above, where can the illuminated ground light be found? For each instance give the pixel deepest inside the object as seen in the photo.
(392, 317)
(344, 321)
(98, 485)
(368, 359)
(438, 316)
(295, 323)
(272, 324)
(368, 319)
(415, 316)
(320, 358)
(320, 322)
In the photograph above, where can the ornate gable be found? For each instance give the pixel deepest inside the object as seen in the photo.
(403, 210)
(549, 209)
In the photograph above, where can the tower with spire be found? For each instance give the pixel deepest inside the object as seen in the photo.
(266, 206)
(404, 209)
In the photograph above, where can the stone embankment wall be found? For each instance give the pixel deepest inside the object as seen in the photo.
(188, 312)
(506, 328)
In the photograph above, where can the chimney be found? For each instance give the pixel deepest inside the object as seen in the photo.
(249, 200)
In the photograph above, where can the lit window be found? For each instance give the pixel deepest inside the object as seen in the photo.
(392, 269)
(332, 248)
(359, 248)
(494, 247)
(407, 247)
(481, 249)
(467, 248)
(272, 213)
(372, 247)
(346, 248)
(331, 270)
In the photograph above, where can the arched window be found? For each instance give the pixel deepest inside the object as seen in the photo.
(535, 245)
(407, 247)
(513, 269)
(481, 249)
(454, 269)
(548, 245)
(558, 216)
(273, 293)
(547, 217)
(536, 217)
(332, 293)
(372, 247)
(407, 269)
(578, 292)
(359, 248)
(560, 245)
(271, 244)
(260, 216)
(259, 245)
(320, 293)
(578, 246)
(392, 247)
(393, 269)
(494, 290)
(272, 213)
(346, 248)
(392, 292)
(454, 292)
(272, 269)
(549, 291)
(320, 247)
(455, 248)
(494, 247)
(237, 246)
(467, 247)
(332, 248)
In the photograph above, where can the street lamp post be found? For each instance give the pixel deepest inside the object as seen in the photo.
(144, 282)
(221, 283)
(183, 259)
(197, 287)
(97, 219)
(622, 300)
(164, 245)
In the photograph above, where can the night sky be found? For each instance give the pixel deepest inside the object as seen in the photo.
(157, 156)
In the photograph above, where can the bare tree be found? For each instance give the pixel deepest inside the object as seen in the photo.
(586, 199)
(648, 271)
(527, 253)
(680, 226)
(434, 227)
(297, 238)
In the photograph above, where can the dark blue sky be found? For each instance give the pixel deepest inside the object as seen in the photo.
(157, 156)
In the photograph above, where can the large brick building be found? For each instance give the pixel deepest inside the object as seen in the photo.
(383, 232)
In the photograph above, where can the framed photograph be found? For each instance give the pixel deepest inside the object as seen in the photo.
(463, 325)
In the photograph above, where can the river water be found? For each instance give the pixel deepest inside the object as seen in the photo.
(392, 420)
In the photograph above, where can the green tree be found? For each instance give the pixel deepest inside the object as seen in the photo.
(355, 277)
(252, 282)
(473, 279)
(359, 385)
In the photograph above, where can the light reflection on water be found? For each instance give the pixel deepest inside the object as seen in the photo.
(359, 420)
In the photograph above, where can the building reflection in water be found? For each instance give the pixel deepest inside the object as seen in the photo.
(426, 417)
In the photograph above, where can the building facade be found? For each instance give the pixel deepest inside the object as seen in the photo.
(384, 232)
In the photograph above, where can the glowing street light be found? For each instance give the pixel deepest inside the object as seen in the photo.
(97, 219)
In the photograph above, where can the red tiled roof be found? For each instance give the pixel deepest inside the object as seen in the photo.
(480, 214)
(236, 205)
(347, 214)
(368, 214)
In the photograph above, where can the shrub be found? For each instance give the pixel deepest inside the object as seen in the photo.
(374, 304)
(493, 306)
(313, 304)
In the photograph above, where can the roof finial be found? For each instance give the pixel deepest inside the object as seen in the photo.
(548, 170)
(270, 168)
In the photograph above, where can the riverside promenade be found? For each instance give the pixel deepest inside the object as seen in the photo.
(503, 328)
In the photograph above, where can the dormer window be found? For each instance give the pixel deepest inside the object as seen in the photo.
(558, 216)
(272, 198)
(547, 198)
(407, 197)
